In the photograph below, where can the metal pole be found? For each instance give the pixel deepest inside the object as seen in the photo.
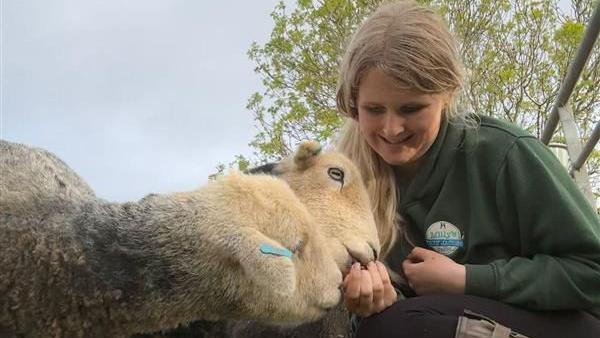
(587, 149)
(573, 72)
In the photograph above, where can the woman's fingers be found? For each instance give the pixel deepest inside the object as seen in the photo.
(366, 293)
(359, 291)
(389, 293)
(418, 254)
(377, 287)
(385, 277)
(352, 288)
(408, 268)
(411, 272)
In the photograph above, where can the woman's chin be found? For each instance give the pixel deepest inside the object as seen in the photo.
(395, 159)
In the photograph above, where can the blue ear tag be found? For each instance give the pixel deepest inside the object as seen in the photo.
(269, 250)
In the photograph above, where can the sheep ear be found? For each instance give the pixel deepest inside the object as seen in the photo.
(307, 150)
(269, 169)
(266, 262)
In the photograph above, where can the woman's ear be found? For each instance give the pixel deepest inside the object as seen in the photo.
(448, 100)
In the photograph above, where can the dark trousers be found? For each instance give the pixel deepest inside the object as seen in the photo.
(437, 316)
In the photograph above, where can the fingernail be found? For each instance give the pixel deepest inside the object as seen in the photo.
(355, 266)
(371, 264)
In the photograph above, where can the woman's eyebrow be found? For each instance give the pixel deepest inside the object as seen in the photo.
(407, 103)
(415, 103)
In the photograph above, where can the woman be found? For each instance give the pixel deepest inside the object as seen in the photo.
(476, 214)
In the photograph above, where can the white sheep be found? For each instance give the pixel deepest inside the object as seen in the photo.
(240, 247)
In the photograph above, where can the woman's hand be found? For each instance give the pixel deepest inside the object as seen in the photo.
(369, 291)
(429, 272)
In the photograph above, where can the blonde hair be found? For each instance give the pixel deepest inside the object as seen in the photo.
(411, 44)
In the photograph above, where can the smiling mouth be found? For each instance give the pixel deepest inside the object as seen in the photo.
(395, 143)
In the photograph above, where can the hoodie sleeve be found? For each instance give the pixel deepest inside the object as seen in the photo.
(559, 263)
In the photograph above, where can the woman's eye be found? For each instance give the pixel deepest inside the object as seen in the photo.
(411, 109)
(374, 110)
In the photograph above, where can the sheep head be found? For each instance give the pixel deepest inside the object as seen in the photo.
(331, 188)
(265, 241)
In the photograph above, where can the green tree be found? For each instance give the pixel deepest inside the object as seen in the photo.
(516, 53)
(299, 67)
(240, 163)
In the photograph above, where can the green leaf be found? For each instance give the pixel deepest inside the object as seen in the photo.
(516, 51)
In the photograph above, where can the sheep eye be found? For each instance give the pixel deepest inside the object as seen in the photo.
(336, 174)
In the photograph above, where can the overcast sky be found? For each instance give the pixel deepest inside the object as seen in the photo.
(137, 96)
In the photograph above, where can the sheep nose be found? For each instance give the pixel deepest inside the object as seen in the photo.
(375, 249)
(363, 251)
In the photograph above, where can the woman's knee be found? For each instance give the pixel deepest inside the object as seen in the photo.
(408, 318)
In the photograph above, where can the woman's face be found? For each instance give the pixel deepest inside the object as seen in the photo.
(398, 123)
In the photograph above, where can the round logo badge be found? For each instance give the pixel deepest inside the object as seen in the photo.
(444, 237)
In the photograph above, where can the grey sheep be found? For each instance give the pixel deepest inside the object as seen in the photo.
(252, 247)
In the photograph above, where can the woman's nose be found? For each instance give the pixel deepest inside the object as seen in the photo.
(393, 125)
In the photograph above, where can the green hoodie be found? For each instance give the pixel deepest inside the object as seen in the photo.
(497, 200)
